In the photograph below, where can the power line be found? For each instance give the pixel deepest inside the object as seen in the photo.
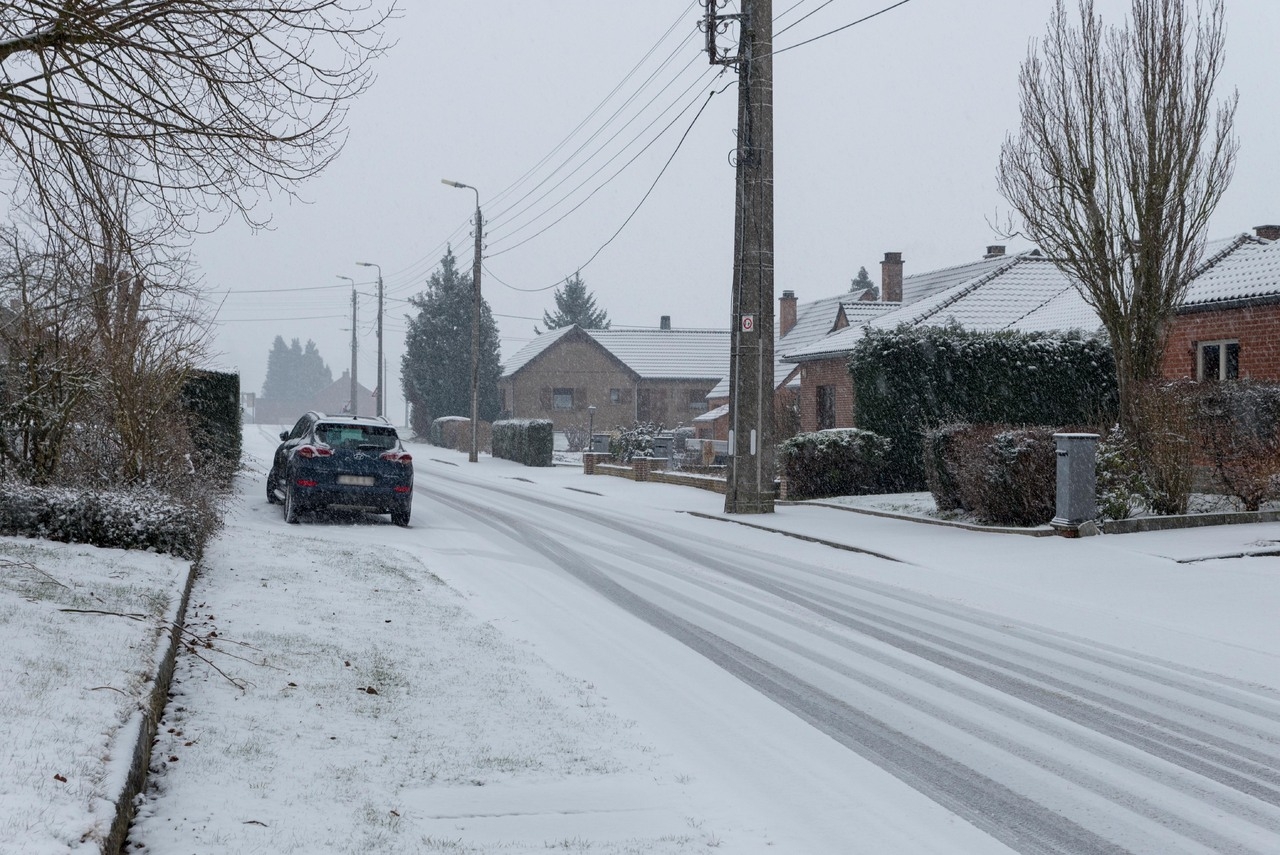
(638, 206)
(841, 29)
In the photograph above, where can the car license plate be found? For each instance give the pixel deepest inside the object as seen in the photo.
(356, 480)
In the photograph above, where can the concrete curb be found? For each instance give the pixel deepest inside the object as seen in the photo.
(146, 723)
(805, 537)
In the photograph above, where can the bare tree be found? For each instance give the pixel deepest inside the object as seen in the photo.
(1122, 155)
(186, 106)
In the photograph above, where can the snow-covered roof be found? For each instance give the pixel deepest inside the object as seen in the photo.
(919, 286)
(530, 351)
(1245, 268)
(652, 354)
(711, 415)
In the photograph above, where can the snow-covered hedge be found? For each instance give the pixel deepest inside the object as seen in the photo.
(528, 441)
(908, 380)
(133, 519)
(1001, 474)
(840, 462)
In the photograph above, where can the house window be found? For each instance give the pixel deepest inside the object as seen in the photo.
(615, 396)
(826, 407)
(562, 399)
(1218, 360)
(697, 401)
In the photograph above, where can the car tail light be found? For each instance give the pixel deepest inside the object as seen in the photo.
(310, 451)
(402, 489)
(397, 456)
(305, 482)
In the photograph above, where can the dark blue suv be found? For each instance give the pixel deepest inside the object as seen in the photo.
(342, 461)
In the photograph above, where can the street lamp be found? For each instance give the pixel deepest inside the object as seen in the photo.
(379, 397)
(475, 320)
(354, 403)
(591, 427)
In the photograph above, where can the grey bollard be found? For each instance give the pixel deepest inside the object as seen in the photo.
(1077, 496)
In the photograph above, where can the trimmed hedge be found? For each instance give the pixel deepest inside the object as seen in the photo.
(444, 430)
(527, 441)
(134, 519)
(1002, 475)
(839, 462)
(909, 380)
(212, 401)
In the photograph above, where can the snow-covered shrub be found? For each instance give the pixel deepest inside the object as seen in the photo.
(1164, 417)
(576, 437)
(1122, 489)
(527, 441)
(140, 518)
(635, 441)
(1238, 429)
(940, 458)
(839, 462)
(1011, 479)
(443, 430)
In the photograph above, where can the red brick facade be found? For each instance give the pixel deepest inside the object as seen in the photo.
(1257, 328)
(826, 372)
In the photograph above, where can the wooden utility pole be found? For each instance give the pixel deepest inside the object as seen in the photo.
(752, 464)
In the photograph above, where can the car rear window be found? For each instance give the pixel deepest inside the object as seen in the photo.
(356, 436)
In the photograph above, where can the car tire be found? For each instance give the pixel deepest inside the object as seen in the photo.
(271, 491)
(290, 506)
(400, 516)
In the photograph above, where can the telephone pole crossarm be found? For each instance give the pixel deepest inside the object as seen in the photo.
(714, 24)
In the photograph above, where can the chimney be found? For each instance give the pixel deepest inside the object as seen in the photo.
(994, 252)
(891, 278)
(786, 312)
(1268, 232)
(665, 322)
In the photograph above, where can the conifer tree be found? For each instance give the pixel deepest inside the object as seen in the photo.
(574, 305)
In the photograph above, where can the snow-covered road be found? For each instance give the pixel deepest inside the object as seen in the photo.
(941, 691)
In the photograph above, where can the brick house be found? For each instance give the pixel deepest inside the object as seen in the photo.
(629, 375)
(1228, 325)
(799, 324)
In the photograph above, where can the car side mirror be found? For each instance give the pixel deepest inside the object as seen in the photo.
(284, 434)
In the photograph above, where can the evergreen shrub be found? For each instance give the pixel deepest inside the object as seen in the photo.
(909, 380)
(527, 441)
(444, 430)
(626, 444)
(838, 462)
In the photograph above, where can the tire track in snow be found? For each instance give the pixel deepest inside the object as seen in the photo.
(1111, 708)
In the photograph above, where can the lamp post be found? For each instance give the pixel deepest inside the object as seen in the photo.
(475, 320)
(591, 427)
(354, 403)
(381, 393)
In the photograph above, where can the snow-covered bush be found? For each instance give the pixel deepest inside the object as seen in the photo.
(1238, 430)
(1165, 415)
(839, 462)
(140, 518)
(1013, 479)
(527, 441)
(1122, 489)
(635, 441)
(443, 430)
(939, 446)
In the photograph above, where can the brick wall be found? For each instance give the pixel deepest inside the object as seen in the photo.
(826, 372)
(581, 365)
(1257, 328)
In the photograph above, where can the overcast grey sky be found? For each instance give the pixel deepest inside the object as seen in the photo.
(887, 139)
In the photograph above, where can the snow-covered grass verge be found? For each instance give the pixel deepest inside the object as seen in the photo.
(81, 629)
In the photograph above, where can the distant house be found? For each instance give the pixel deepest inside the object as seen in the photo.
(648, 375)
(334, 398)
